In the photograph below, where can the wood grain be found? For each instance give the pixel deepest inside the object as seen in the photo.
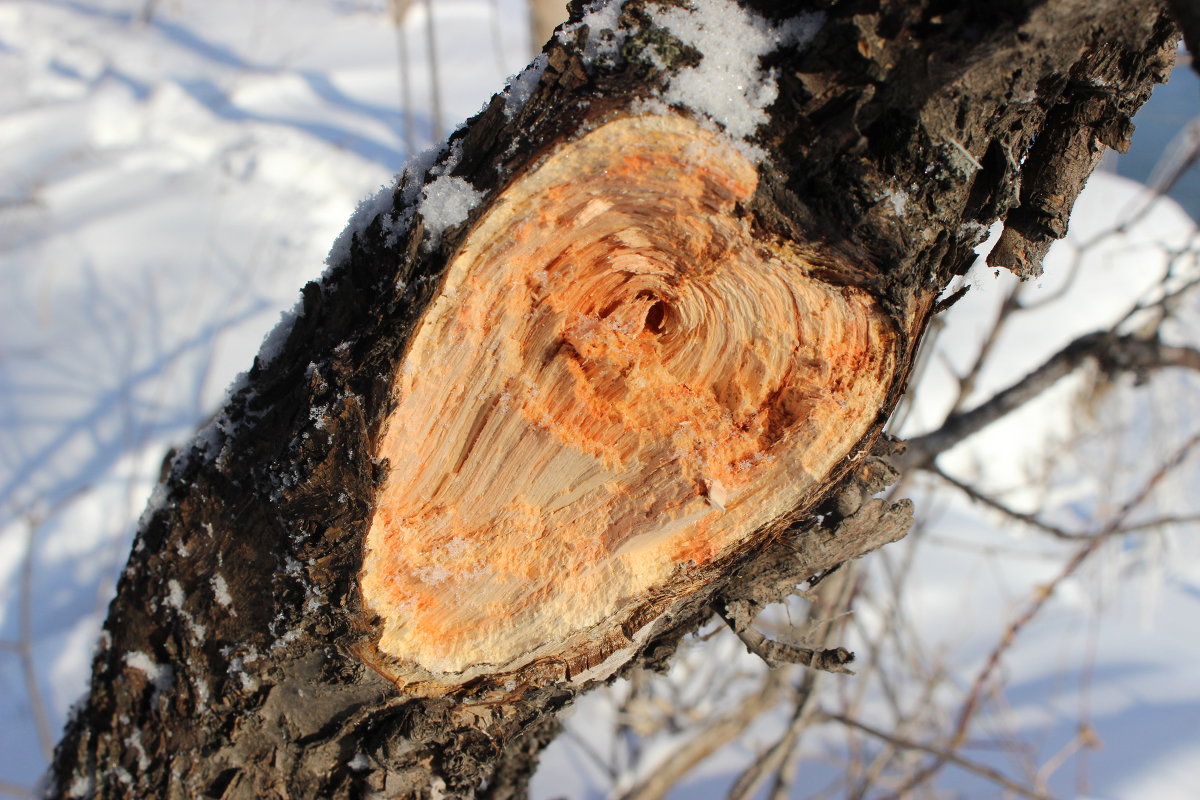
(619, 383)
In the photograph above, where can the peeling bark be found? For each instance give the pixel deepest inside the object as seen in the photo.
(246, 654)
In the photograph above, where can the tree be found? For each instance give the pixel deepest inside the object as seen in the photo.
(861, 152)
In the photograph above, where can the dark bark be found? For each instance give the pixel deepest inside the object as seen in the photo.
(235, 662)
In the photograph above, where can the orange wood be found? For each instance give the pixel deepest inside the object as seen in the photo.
(618, 383)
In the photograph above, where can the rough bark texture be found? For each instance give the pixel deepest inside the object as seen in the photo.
(236, 660)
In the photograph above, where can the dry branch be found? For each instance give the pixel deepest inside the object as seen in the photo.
(982, 770)
(1114, 353)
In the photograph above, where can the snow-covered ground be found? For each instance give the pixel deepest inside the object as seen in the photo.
(168, 181)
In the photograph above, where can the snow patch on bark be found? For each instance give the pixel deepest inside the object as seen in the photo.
(729, 86)
(446, 202)
(160, 676)
(898, 199)
(368, 210)
(729, 89)
(175, 595)
(605, 37)
(221, 590)
(522, 86)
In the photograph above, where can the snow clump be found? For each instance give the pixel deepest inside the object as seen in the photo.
(605, 36)
(522, 85)
(729, 86)
(446, 202)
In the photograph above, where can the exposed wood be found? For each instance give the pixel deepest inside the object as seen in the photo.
(618, 384)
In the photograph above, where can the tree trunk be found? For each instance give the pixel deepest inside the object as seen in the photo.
(597, 367)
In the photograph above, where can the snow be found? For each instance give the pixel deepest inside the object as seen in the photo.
(169, 186)
(160, 675)
(898, 200)
(168, 189)
(522, 86)
(175, 595)
(221, 591)
(728, 86)
(446, 202)
(605, 37)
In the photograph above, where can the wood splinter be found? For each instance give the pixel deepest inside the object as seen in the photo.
(620, 383)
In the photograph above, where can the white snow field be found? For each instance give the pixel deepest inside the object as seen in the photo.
(171, 173)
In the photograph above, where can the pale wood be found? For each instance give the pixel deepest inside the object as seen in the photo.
(619, 383)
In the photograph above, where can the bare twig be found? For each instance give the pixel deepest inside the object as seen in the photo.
(25, 647)
(1041, 596)
(775, 654)
(836, 597)
(947, 755)
(996, 505)
(715, 736)
(1054, 530)
(1115, 354)
(435, 86)
(399, 11)
(497, 37)
(966, 384)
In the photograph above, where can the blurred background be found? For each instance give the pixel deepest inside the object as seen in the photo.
(173, 171)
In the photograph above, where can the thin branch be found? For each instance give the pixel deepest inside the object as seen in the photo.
(1163, 303)
(1041, 596)
(947, 755)
(996, 505)
(966, 384)
(715, 736)
(25, 647)
(1115, 354)
(1054, 295)
(775, 654)
(497, 38)
(584, 746)
(1160, 522)
(837, 597)
(399, 10)
(434, 84)
(773, 758)
(1060, 533)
